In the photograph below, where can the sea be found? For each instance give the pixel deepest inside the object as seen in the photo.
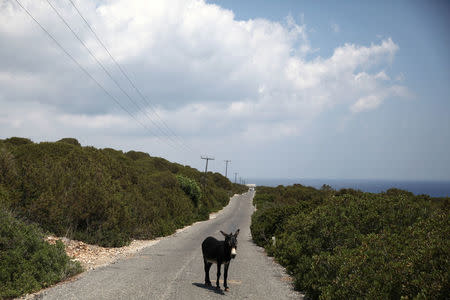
(417, 187)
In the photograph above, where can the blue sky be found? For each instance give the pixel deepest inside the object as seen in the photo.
(284, 89)
(413, 136)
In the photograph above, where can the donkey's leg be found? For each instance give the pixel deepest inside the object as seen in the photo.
(207, 267)
(225, 275)
(218, 275)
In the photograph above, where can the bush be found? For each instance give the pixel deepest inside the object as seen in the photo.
(18, 141)
(390, 265)
(270, 222)
(340, 245)
(27, 262)
(8, 168)
(136, 155)
(191, 188)
(104, 196)
(71, 141)
(97, 196)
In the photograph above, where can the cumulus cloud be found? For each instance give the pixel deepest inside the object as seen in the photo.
(205, 72)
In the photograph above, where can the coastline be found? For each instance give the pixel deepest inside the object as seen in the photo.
(433, 188)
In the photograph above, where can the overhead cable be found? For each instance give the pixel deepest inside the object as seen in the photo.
(104, 69)
(84, 69)
(144, 99)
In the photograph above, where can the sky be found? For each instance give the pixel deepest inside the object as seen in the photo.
(283, 89)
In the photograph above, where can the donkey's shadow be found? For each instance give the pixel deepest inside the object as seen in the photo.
(208, 287)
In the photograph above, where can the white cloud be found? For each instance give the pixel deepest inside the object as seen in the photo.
(373, 101)
(382, 75)
(335, 28)
(367, 103)
(207, 73)
(92, 122)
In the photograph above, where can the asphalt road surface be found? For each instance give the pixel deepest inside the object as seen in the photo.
(173, 268)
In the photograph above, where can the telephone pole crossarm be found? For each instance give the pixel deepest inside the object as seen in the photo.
(207, 159)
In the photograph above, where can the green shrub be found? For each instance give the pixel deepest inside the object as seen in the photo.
(18, 141)
(104, 196)
(340, 245)
(71, 141)
(27, 262)
(5, 198)
(98, 196)
(191, 188)
(237, 189)
(136, 155)
(270, 222)
(8, 167)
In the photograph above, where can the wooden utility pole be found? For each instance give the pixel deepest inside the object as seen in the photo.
(226, 167)
(207, 159)
(206, 168)
(235, 176)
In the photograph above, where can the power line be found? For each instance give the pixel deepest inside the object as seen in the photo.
(79, 65)
(105, 70)
(87, 73)
(144, 99)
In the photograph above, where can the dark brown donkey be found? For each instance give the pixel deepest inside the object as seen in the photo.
(219, 252)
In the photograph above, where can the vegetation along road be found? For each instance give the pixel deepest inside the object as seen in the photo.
(173, 268)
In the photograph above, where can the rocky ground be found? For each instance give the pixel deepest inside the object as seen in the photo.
(93, 256)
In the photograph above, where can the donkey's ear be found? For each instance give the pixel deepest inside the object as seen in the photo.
(224, 234)
(237, 232)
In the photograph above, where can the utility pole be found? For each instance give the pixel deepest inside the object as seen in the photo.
(226, 167)
(206, 168)
(235, 176)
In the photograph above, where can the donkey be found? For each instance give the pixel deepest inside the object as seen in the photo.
(219, 252)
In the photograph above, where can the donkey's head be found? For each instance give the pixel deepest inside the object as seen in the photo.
(231, 241)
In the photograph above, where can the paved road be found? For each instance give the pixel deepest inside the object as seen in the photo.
(173, 268)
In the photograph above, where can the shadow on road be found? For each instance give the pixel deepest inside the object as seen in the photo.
(211, 288)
